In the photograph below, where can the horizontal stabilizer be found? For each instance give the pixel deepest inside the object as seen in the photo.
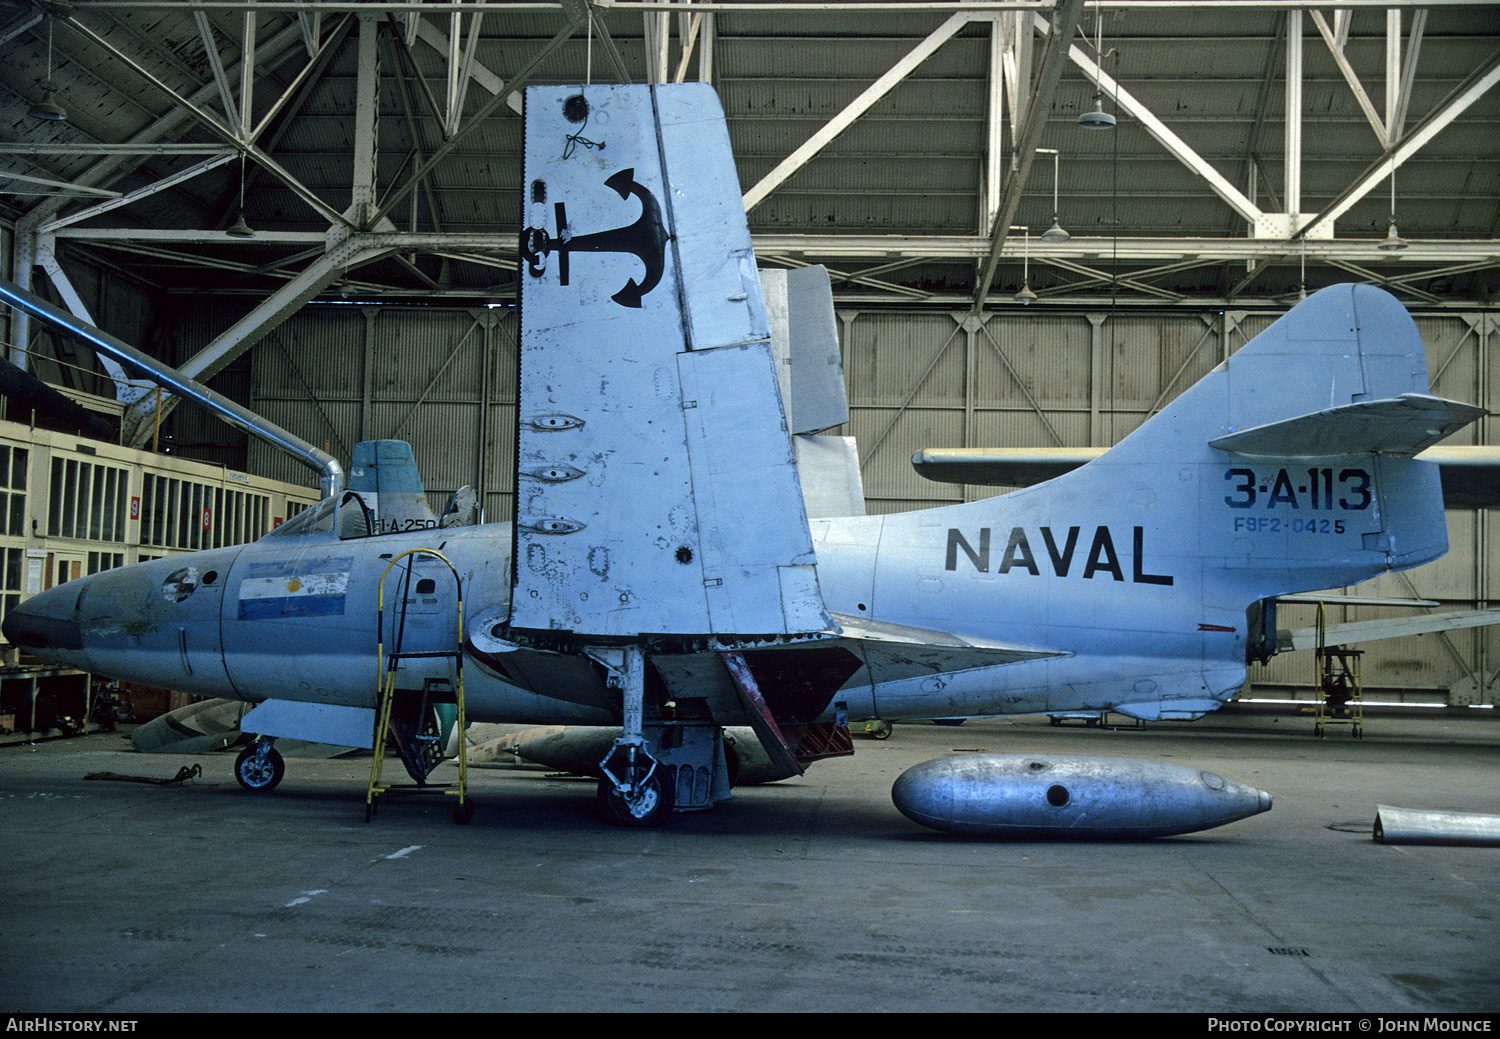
(1470, 474)
(1355, 632)
(1401, 425)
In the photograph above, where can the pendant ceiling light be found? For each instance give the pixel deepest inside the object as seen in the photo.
(241, 229)
(1055, 233)
(1025, 295)
(1098, 119)
(48, 108)
(1392, 242)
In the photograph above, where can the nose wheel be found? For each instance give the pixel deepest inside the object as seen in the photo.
(649, 805)
(259, 766)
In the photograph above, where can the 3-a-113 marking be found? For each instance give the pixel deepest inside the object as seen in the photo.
(1327, 490)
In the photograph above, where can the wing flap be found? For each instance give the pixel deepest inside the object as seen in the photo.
(1354, 632)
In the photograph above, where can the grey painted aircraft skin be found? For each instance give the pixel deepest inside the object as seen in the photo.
(661, 518)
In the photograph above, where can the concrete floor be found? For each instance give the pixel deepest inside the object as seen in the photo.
(811, 894)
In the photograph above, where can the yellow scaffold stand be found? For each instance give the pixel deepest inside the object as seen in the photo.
(1340, 692)
(387, 665)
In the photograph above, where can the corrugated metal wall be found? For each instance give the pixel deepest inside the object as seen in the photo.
(441, 379)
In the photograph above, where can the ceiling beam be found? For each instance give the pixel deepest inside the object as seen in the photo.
(1169, 140)
(856, 108)
(566, 33)
(1463, 96)
(1060, 30)
(1362, 96)
(215, 126)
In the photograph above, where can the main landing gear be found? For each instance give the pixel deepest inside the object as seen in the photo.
(259, 766)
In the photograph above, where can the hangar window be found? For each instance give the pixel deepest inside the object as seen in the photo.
(13, 461)
(11, 579)
(105, 561)
(86, 500)
(179, 513)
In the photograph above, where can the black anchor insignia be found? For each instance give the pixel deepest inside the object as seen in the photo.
(646, 239)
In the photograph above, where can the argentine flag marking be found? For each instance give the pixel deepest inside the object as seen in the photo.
(275, 590)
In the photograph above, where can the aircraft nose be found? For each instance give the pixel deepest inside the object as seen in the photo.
(47, 623)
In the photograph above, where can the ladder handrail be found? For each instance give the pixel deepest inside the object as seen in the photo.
(386, 677)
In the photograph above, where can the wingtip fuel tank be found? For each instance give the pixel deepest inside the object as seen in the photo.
(1052, 797)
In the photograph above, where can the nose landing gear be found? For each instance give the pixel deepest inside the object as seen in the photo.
(259, 766)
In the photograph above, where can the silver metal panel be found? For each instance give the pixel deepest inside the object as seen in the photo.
(314, 722)
(759, 576)
(804, 339)
(828, 468)
(719, 282)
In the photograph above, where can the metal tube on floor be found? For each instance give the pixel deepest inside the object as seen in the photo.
(1417, 826)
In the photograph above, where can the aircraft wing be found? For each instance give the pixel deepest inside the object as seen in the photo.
(1470, 474)
(1000, 466)
(1354, 632)
(896, 651)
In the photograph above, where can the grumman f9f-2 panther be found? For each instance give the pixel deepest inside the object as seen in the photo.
(661, 572)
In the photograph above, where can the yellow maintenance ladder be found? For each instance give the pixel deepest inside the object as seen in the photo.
(420, 751)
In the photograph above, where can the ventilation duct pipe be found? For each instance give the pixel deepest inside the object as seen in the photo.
(330, 473)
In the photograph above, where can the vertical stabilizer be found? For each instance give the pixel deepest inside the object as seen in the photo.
(1290, 466)
(656, 491)
(383, 474)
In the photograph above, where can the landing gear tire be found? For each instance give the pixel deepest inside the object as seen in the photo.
(464, 812)
(651, 808)
(257, 770)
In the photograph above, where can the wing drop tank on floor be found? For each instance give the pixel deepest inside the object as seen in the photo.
(1050, 797)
